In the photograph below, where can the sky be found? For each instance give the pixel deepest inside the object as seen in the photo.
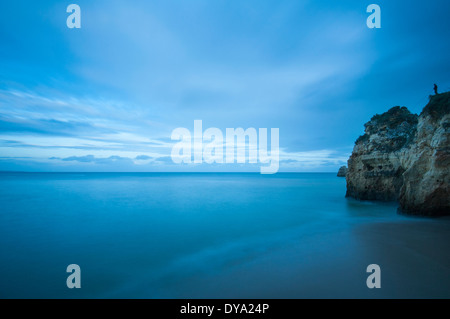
(107, 96)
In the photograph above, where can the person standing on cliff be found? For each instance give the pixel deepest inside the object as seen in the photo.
(435, 89)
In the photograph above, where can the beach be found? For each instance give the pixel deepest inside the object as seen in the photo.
(211, 235)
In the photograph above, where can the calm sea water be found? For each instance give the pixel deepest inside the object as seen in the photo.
(206, 236)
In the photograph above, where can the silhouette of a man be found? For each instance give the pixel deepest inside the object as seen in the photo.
(435, 89)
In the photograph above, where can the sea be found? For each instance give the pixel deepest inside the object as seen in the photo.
(211, 235)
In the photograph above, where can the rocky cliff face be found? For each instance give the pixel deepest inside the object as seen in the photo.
(405, 157)
(375, 170)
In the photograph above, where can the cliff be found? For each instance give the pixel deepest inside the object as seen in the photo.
(405, 157)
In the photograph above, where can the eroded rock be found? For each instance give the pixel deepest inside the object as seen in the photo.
(405, 157)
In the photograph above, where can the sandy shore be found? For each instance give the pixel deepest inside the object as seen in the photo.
(414, 256)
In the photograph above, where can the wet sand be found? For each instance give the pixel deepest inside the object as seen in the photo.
(414, 256)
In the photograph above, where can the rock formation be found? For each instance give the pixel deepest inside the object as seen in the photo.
(342, 171)
(405, 157)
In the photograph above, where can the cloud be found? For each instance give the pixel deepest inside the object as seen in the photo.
(55, 112)
(99, 160)
(165, 160)
(143, 157)
(48, 127)
(114, 159)
(61, 125)
(82, 159)
(288, 161)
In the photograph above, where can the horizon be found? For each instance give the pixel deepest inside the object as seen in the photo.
(168, 172)
(107, 96)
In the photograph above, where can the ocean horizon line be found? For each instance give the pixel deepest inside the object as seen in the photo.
(168, 172)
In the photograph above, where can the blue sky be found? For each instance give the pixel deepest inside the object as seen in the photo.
(106, 97)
